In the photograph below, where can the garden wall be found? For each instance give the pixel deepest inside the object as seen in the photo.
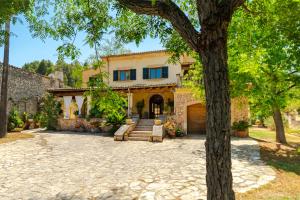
(82, 125)
(25, 88)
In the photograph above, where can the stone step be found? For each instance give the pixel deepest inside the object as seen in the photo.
(146, 122)
(143, 128)
(141, 132)
(138, 138)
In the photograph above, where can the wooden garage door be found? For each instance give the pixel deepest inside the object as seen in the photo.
(196, 116)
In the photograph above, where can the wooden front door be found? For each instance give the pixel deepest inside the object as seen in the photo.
(196, 119)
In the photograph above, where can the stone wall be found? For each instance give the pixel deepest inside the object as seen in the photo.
(25, 89)
(82, 125)
(183, 98)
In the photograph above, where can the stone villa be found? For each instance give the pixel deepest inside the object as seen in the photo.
(149, 77)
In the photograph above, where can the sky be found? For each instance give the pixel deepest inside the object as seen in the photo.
(24, 48)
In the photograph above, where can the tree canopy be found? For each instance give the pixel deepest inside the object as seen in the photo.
(72, 71)
(265, 55)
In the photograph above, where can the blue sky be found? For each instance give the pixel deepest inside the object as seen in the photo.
(24, 48)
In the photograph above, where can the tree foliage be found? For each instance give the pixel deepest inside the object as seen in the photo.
(105, 102)
(9, 10)
(72, 71)
(265, 55)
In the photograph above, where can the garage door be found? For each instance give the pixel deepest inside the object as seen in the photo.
(196, 116)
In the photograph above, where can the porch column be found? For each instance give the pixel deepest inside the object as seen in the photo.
(129, 99)
(67, 103)
(79, 101)
(88, 103)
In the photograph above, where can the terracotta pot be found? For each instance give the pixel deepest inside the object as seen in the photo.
(241, 134)
(157, 122)
(129, 121)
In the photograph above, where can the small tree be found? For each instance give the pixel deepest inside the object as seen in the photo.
(111, 105)
(14, 120)
(50, 111)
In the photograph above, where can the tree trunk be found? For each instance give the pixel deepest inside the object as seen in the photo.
(4, 87)
(280, 134)
(218, 148)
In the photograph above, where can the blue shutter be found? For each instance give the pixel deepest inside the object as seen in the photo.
(165, 72)
(133, 74)
(115, 75)
(145, 73)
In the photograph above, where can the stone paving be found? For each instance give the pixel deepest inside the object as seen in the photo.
(73, 166)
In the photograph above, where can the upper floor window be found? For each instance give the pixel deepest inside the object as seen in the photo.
(155, 73)
(124, 75)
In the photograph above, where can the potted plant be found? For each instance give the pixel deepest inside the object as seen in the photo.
(76, 113)
(240, 128)
(170, 127)
(179, 132)
(170, 106)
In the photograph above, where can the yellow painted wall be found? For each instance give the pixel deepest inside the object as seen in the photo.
(138, 62)
(86, 74)
(146, 95)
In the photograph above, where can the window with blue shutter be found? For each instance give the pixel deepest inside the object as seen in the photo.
(133, 74)
(165, 72)
(156, 73)
(145, 73)
(115, 78)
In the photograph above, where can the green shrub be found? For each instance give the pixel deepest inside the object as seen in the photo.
(14, 120)
(115, 119)
(25, 118)
(96, 112)
(241, 125)
(50, 110)
(179, 132)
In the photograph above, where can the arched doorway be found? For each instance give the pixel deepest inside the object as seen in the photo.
(196, 119)
(156, 106)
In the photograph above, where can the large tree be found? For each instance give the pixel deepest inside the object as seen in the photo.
(211, 44)
(198, 25)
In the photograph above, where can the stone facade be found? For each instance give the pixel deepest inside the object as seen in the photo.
(25, 89)
(184, 97)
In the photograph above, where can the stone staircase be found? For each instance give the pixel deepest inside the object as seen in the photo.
(142, 131)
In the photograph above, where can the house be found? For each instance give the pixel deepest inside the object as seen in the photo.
(151, 78)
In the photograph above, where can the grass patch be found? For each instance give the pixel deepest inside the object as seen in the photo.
(285, 161)
(10, 137)
(268, 135)
(294, 131)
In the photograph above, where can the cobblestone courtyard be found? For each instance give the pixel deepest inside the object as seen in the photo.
(73, 166)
